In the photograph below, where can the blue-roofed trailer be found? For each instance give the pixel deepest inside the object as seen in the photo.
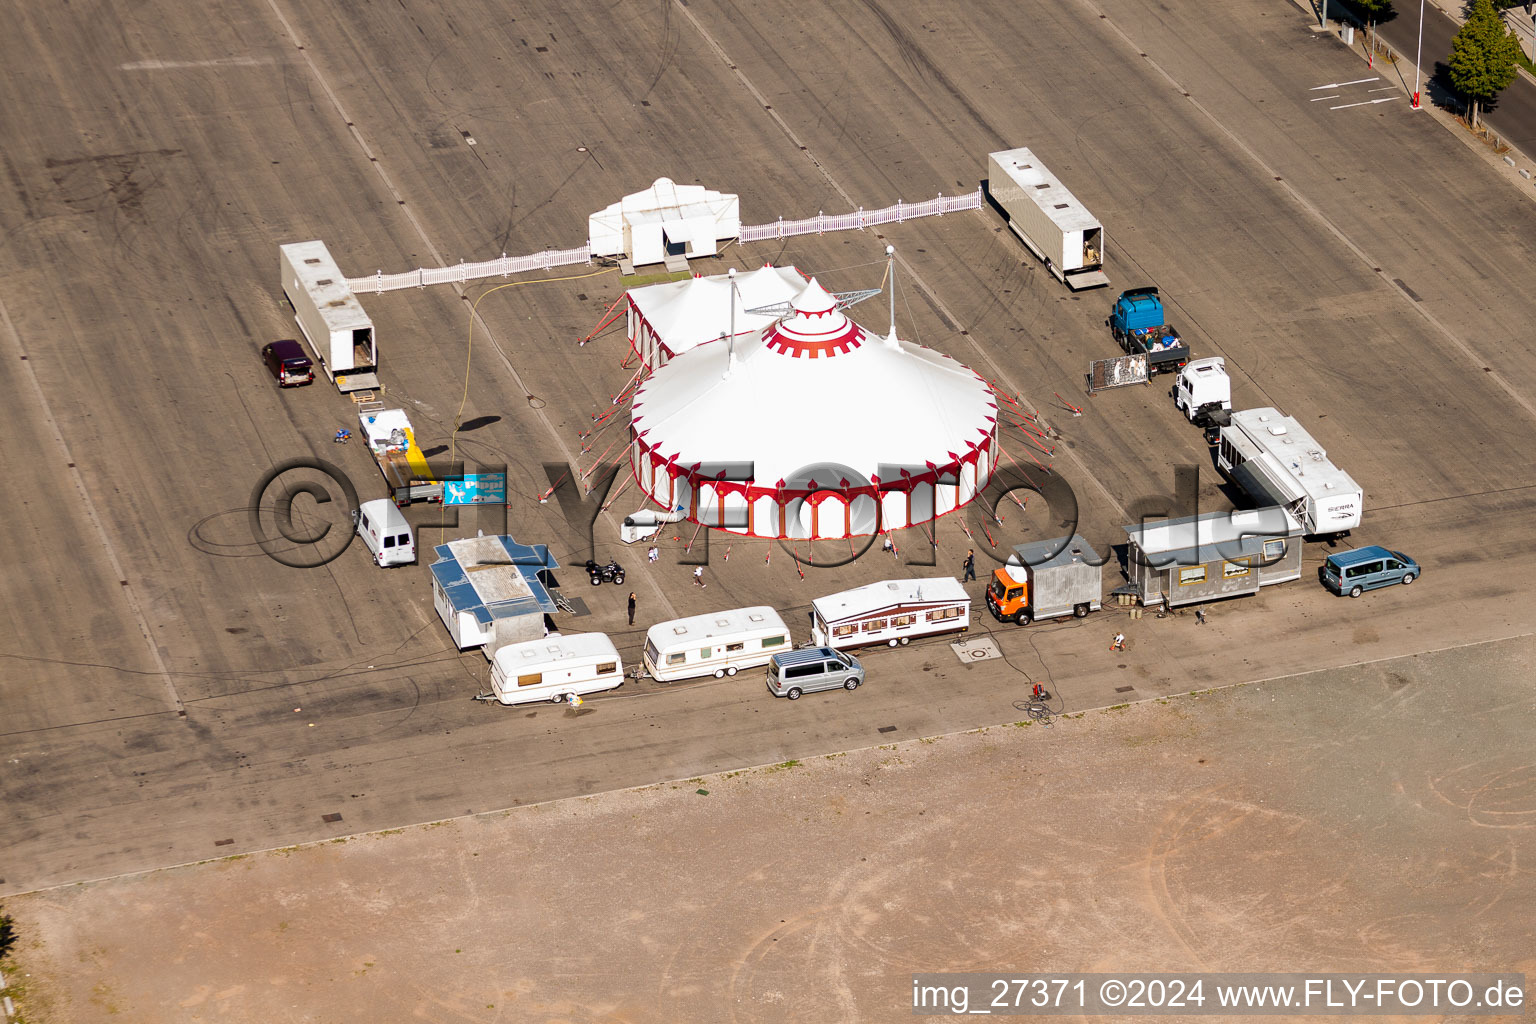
(1220, 554)
(490, 591)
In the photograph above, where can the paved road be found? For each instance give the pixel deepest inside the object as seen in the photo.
(137, 250)
(1513, 117)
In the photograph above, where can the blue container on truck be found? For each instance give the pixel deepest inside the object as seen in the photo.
(1138, 323)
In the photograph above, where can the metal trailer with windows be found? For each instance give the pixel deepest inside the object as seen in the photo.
(1047, 579)
(554, 669)
(1276, 462)
(717, 644)
(1048, 219)
(1175, 562)
(891, 612)
(330, 316)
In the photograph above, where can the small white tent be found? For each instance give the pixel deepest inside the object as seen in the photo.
(667, 218)
(668, 319)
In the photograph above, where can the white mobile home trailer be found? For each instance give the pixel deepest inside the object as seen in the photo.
(717, 644)
(1048, 219)
(1275, 460)
(890, 612)
(329, 315)
(555, 668)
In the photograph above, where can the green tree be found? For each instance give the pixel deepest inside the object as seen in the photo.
(1482, 62)
(7, 934)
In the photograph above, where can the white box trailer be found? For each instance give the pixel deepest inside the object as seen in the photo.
(890, 612)
(330, 317)
(1048, 219)
(554, 669)
(1276, 462)
(717, 644)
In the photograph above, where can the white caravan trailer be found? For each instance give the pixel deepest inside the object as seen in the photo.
(338, 331)
(554, 668)
(1048, 219)
(718, 644)
(1275, 460)
(890, 612)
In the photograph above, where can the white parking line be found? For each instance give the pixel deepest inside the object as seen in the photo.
(1321, 98)
(1385, 88)
(1337, 85)
(1384, 99)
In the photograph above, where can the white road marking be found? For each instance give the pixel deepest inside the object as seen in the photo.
(1385, 88)
(1364, 103)
(177, 65)
(1320, 99)
(1337, 85)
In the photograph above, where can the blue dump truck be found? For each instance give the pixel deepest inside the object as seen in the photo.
(1138, 324)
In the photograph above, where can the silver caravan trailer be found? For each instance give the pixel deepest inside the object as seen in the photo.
(1276, 462)
(1048, 219)
(332, 320)
(1175, 562)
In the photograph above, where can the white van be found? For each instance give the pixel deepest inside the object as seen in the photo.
(718, 644)
(385, 532)
(554, 668)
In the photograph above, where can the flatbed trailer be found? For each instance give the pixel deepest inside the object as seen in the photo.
(392, 442)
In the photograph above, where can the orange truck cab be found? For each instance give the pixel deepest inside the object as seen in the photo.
(1045, 580)
(1007, 597)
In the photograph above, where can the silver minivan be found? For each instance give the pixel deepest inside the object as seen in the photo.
(792, 673)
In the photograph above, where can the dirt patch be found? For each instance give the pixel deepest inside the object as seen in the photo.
(1355, 820)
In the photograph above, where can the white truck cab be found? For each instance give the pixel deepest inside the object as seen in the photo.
(385, 532)
(1203, 389)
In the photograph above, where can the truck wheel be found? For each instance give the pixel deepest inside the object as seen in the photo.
(556, 699)
(891, 642)
(793, 693)
(1408, 578)
(719, 673)
(1356, 590)
(1079, 611)
(731, 671)
(1021, 618)
(906, 639)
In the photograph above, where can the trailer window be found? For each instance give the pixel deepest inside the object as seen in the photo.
(677, 659)
(843, 630)
(1274, 550)
(735, 647)
(903, 620)
(1231, 570)
(773, 641)
(939, 615)
(533, 679)
(1189, 577)
(706, 653)
(650, 650)
(871, 625)
(607, 668)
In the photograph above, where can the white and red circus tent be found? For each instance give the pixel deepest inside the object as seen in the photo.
(665, 320)
(813, 428)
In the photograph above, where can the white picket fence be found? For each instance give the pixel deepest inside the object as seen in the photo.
(506, 266)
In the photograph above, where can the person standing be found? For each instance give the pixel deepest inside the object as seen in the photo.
(698, 576)
(1200, 616)
(652, 555)
(631, 607)
(970, 565)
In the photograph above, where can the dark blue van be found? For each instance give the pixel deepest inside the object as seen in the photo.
(1355, 572)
